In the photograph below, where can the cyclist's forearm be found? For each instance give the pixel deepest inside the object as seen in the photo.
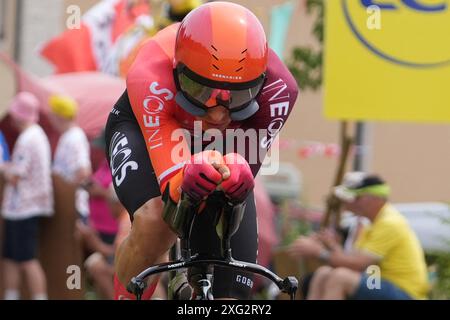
(134, 254)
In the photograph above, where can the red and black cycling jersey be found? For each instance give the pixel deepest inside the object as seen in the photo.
(151, 90)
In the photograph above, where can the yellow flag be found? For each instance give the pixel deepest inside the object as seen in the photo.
(387, 60)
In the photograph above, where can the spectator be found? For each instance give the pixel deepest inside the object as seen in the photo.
(4, 150)
(387, 242)
(72, 155)
(104, 206)
(99, 264)
(100, 235)
(28, 195)
(109, 225)
(178, 9)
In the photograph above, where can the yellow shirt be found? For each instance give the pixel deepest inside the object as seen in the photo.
(402, 260)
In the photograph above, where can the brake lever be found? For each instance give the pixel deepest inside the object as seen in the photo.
(290, 286)
(137, 287)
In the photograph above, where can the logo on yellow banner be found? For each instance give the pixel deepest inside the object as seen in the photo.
(387, 60)
(413, 24)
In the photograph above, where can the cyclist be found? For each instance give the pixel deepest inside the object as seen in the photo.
(214, 69)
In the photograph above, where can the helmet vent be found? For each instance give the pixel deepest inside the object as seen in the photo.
(216, 67)
(240, 61)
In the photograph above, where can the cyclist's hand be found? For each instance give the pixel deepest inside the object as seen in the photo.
(240, 182)
(203, 173)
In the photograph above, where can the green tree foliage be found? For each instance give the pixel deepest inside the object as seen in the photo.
(306, 63)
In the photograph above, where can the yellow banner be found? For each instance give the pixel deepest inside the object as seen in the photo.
(387, 60)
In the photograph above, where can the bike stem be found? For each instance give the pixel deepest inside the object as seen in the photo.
(228, 217)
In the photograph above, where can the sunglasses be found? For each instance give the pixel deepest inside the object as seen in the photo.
(197, 94)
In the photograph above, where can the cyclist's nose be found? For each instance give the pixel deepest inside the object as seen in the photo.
(218, 114)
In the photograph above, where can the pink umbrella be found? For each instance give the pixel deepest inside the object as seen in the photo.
(95, 93)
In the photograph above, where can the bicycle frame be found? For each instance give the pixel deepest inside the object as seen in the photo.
(229, 217)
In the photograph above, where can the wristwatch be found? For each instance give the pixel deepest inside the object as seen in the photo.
(324, 255)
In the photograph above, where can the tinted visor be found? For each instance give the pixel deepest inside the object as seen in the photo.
(203, 93)
(210, 97)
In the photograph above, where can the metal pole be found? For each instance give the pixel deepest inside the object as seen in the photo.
(362, 152)
(18, 31)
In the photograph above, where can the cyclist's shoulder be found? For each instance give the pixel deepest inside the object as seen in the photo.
(280, 85)
(151, 72)
(277, 70)
(155, 57)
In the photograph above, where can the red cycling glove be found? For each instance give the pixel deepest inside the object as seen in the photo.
(241, 182)
(200, 174)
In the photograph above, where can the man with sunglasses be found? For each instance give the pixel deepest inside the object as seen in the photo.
(214, 70)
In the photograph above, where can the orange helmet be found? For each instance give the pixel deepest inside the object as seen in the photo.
(221, 58)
